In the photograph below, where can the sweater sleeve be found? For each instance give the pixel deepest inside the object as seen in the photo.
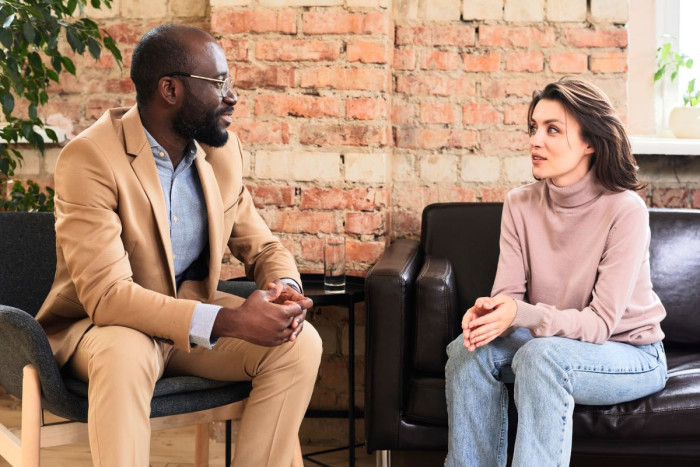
(617, 274)
(511, 275)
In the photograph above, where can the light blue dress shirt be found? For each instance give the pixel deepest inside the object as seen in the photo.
(189, 227)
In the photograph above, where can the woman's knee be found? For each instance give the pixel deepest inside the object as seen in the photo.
(537, 355)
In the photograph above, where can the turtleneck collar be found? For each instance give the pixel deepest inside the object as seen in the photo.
(580, 193)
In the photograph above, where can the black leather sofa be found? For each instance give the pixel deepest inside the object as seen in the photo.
(418, 291)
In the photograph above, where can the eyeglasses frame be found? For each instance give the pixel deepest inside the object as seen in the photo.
(223, 90)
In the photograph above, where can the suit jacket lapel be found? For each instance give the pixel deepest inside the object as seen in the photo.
(144, 167)
(215, 212)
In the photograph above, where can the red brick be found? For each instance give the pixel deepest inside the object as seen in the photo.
(282, 105)
(126, 33)
(611, 37)
(403, 112)
(462, 139)
(312, 248)
(325, 22)
(518, 87)
(94, 108)
(485, 62)
(297, 50)
(119, 86)
(669, 198)
(509, 140)
(369, 79)
(435, 85)
(474, 114)
(404, 59)
(415, 198)
(403, 221)
(437, 35)
(364, 252)
(696, 199)
(609, 62)
(525, 61)
(371, 223)
(431, 112)
(365, 108)
(243, 108)
(570, 62)
(361, 199)
(441, 60)
(300, 221)
(344, 135)
(509, 36)
(456, 195)
(236, 50)
(516, 115)
(261, 132)
(264, 195)
(253, 77)
(492, 195)
(229, 271)
(256, 21)
(366, 52)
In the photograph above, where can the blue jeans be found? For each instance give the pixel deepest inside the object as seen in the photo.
(551, 374)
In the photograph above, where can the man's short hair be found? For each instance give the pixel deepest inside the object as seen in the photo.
(162, 50)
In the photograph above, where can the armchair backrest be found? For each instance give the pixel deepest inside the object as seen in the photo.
(674, 255)
(27, 259)
(467, 235)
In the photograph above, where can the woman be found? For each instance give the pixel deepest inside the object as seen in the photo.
(572, 317)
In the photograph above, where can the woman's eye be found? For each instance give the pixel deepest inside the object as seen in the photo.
(532, 129)
(552, 129)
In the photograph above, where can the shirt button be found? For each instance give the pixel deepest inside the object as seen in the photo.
(174, 218)
(161, 154)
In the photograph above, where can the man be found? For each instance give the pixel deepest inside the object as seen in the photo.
(146, 201)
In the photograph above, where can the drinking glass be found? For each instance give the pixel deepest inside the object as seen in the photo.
(334, 265)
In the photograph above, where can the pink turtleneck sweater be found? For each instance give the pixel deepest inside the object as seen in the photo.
(576, 261)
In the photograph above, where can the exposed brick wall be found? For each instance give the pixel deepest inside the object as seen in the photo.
(355, 114)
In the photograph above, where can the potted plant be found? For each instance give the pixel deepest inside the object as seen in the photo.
(31, 57)
(684, 121)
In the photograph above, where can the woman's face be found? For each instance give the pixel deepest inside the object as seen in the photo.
(556, 147)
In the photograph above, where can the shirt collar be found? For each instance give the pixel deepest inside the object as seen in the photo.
(156, 148)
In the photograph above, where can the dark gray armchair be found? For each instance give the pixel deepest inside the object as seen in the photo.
(29, 371)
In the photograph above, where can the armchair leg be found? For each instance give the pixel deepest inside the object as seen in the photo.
(201, 445)
(383, 458)
(31, 417)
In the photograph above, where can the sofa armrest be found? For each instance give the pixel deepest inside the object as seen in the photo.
(390, 301)
(435, 314)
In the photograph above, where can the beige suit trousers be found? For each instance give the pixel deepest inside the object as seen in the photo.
(122, 366)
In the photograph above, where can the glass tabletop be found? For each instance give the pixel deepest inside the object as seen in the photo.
(313, 288)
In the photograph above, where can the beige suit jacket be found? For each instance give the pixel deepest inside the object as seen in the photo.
(114, 256)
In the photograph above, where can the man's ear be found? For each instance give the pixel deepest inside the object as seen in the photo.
(169, 89)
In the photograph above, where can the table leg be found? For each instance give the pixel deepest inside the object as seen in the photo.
(351, 380)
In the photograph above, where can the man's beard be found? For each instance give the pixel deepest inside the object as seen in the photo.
(193, 122)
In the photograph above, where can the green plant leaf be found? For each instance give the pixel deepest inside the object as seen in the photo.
(51, 134)
(94, 48)
(8, 103)
(53, 76)
(95, 3)
(68, 64)
(6, 38)
(28, 31)
(73, 41)
(32, 111)
(8, 21)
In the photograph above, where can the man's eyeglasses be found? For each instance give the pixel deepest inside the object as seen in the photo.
(225, 85)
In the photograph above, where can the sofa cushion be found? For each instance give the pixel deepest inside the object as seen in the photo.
(673, 413)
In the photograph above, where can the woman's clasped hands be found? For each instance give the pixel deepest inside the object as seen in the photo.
(487, 319)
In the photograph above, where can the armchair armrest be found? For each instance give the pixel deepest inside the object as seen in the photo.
(435, 314)
(23, 342)
(390, 301)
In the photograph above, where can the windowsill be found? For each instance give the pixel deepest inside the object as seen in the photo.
(642, 144)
